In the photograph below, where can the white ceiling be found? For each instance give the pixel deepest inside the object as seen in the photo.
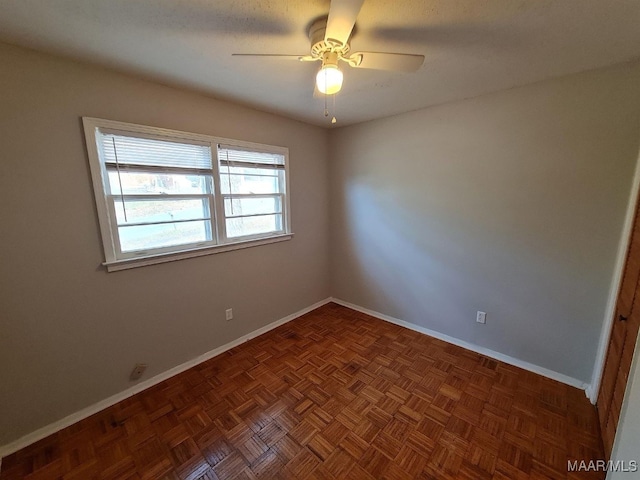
(471, 46)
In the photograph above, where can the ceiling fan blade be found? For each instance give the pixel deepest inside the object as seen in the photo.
(400, 62)
(342, 18)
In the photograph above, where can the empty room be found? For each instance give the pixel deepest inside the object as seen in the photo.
(329, 239)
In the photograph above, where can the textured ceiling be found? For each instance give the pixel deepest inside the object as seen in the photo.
(471, 46)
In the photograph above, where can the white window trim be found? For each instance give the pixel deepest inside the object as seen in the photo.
(98, 172)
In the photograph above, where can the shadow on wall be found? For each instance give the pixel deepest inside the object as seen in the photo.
(436, 266)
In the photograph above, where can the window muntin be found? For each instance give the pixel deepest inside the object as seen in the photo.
(171, 192)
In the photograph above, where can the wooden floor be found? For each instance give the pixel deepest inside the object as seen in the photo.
(334, 394)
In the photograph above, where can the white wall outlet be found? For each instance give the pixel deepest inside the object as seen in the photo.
(229, 314)
(481, 317)
(138, 370)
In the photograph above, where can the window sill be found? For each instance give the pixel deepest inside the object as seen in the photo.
(196, 252)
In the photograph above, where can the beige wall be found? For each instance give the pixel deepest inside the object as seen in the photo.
(511, 203)
(70, 333)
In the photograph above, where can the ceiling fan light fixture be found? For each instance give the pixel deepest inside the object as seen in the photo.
(329, 79)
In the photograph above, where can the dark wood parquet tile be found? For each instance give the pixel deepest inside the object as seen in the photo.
(334, 394)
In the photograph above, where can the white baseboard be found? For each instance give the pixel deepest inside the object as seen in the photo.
(560, 377)
(118, 397)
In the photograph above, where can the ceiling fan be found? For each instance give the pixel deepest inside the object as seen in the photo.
(330, 44)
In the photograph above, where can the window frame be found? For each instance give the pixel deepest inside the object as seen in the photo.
(117, 260)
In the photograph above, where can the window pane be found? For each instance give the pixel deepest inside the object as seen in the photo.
(161, 210)
(248, 184)
(144, 237)
(143, 183)
(239, 227)
(251, 206)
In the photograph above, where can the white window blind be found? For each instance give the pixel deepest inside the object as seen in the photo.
(138, 151)
(229, 155)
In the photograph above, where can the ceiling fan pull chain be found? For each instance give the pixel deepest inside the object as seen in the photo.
(326, 110)
(333, 120)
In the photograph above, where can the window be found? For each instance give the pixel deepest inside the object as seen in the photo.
(252, 185)
(163, 195)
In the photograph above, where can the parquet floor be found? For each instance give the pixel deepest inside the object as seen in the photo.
(334, 394)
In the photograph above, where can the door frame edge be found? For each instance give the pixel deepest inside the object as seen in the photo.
(593, 389)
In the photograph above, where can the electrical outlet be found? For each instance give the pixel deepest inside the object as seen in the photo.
(138, 370)
(229, 314)
(481, 317)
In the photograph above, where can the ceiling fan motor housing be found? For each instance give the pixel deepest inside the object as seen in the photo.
(320, 46)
